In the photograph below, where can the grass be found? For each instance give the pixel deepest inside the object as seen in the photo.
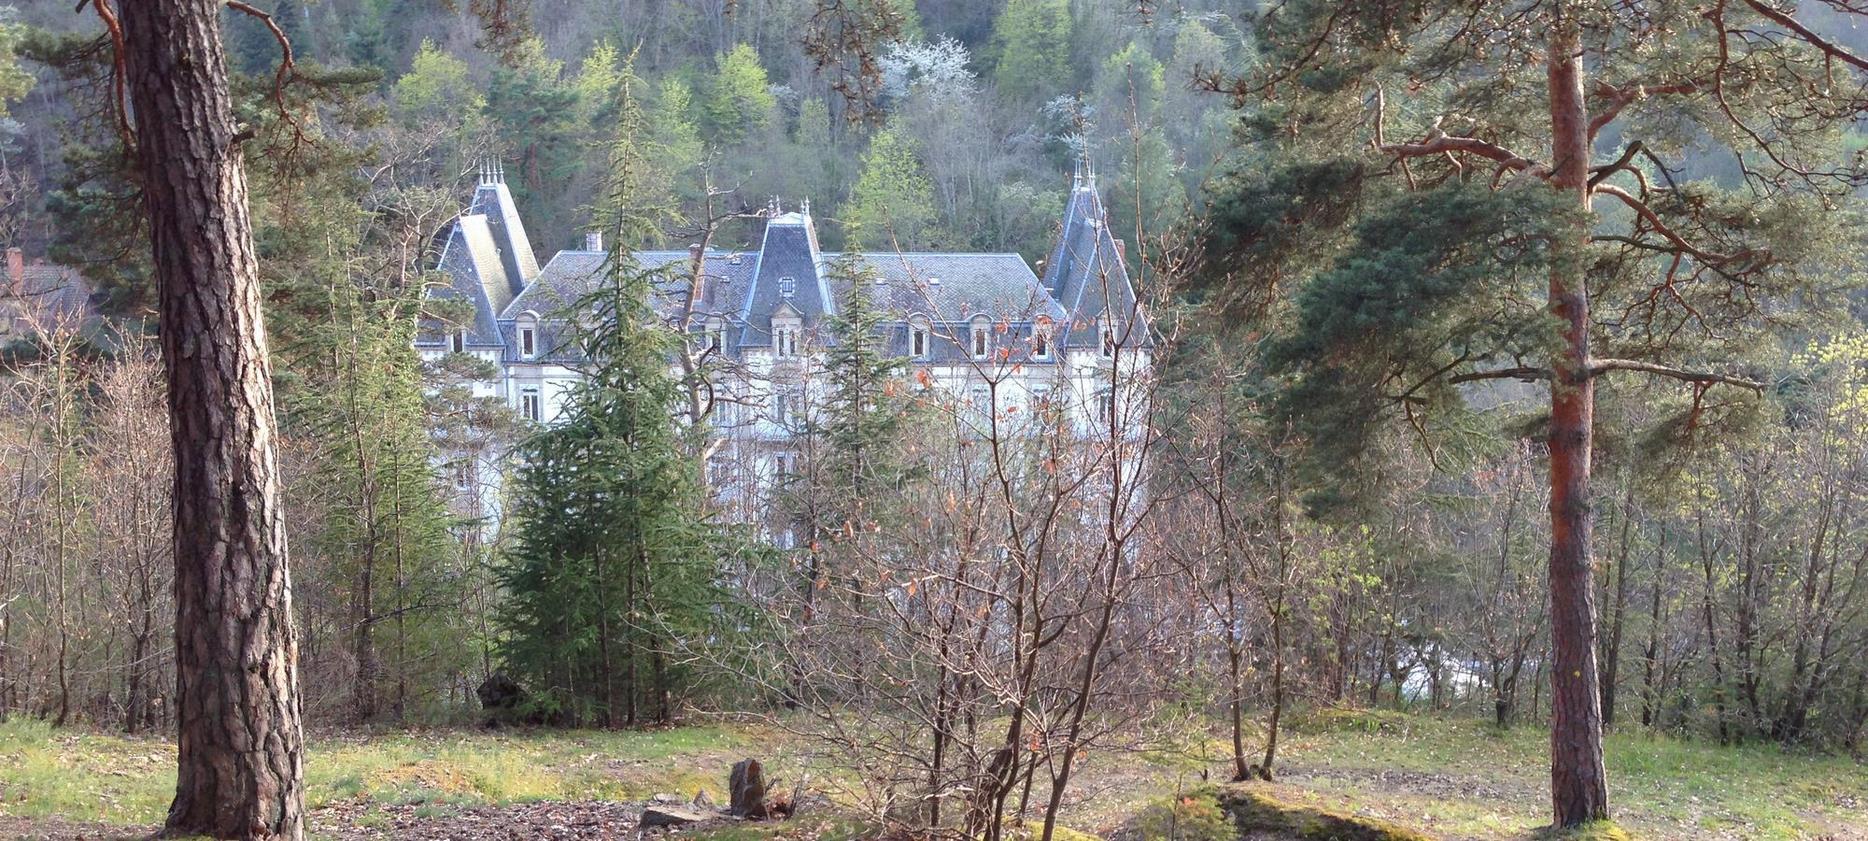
(1449, 778)
(83, 776)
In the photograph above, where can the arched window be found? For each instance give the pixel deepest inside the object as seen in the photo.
(918, 339)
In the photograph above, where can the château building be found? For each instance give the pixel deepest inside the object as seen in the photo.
(998, 341)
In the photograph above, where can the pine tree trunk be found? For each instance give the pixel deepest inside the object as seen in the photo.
(1578, 782)
(241, 749)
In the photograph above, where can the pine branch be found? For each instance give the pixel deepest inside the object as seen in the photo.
(1527, 374)
(1598, 367)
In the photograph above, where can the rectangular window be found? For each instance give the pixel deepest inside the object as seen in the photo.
(528, 342)
(529, 405)
(1040, 398)
(1040, 344)
(785, 341)
(781, 408)
(982, 399)
(716, 337)
(787, 287)
(784, 465)
(458, 341)
(463, 474)
(1109, 338)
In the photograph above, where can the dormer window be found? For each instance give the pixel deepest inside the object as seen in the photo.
(982, 338)
(1041, 338)
(716, 335)
(1108, 327)
(528, 342)
(458, 342)
(787, 287)
(918, 340)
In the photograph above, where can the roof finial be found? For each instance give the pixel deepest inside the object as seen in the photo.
(805, 207)
(492, 171)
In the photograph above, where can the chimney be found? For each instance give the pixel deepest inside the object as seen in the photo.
(1122, 248)
(593, 240)
(694, 251)
(16, 271)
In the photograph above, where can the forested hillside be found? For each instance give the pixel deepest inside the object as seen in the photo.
(1501, 361)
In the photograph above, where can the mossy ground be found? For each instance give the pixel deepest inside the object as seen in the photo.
(1448, 778)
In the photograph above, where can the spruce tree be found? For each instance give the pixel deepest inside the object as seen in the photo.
(614, 567)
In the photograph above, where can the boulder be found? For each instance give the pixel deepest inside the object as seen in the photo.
(670, 816)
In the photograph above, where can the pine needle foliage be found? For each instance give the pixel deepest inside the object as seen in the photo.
(614, 580)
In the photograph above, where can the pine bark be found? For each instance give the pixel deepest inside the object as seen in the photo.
(1578, 781)
(241, 748)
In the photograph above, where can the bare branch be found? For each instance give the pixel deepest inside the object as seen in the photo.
(1598, 367)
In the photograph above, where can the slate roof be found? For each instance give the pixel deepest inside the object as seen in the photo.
(570, 275)
(488, 260)
(46, 291)
(788, 257)
(493, 201)
(1086, 272)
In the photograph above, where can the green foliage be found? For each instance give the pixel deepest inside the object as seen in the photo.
(436, 88)
(615, 568)
(1414, 293)
(1031, 40)
(739, 100)
(866, 411)
(14, 80)
(534, 112)
(892, 206)
(677, 141)
(385, 531)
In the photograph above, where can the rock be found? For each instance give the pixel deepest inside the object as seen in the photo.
(670, 816)
(746, 787)
(702, 801)
(668, 799)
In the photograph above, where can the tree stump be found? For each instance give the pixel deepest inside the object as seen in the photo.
(747, 788)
